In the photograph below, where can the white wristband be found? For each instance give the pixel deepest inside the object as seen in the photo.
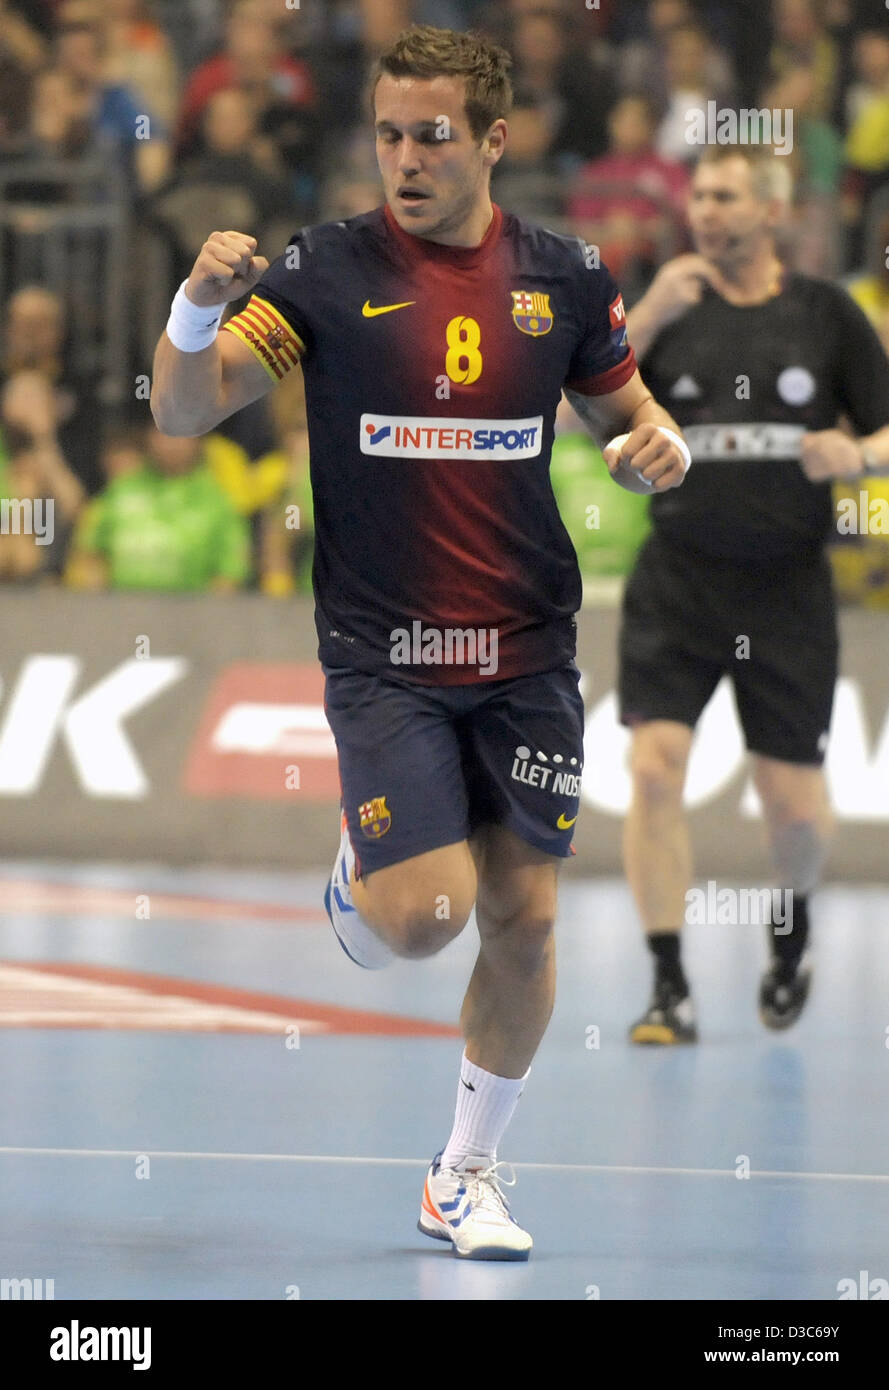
(680, 444)
(192, 327)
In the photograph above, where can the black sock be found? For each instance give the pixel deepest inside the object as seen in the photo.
(788, 946)
(664, 946)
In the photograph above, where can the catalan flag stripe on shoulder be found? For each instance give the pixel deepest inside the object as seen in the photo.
(268, 336)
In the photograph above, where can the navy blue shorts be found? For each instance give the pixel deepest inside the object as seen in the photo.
(683, 616)
(425, 766)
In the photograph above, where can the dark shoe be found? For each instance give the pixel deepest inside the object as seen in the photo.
(783, 991)
(670, 1018)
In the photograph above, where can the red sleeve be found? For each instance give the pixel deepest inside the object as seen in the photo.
(610, 380)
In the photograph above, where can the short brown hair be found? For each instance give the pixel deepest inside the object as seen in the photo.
(424, 51)
(771, 176)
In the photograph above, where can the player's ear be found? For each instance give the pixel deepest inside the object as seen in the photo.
(494, 142)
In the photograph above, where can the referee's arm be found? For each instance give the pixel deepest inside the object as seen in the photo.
(862, 386)
(832, 454)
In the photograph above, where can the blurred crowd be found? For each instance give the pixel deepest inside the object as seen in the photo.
(129, 129)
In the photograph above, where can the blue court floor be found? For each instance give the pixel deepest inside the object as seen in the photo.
(168, 1131)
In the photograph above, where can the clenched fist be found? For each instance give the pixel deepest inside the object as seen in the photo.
(646, 460)
(225, 270)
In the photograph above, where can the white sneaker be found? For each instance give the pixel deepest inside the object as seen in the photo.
(360, 943)
(467, 1207)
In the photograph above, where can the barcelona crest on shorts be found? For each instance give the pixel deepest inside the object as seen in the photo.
(531, 312)
(375, 818)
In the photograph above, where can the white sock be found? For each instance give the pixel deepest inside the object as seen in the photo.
(485, 1105)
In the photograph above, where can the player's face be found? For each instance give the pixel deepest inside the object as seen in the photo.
(435, 174)
(728, 219)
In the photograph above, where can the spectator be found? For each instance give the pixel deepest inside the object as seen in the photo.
(867, 105)
(166, 525)
(527, 181)
(867, 142)
(228, 182)
(35, 483)
(870, 289)
(108, 108)
(861, 562)
(140, 57)
(870, 85)
(22, 53)
(802, 41)
(570, 96)
(642, 63)
(235, 153)
(329, 38)
(281, 88)
(689, 88)
(55, 127)
(815, 165)
(631, 202)
(34, 341)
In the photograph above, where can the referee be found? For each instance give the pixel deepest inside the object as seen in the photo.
(758, 365)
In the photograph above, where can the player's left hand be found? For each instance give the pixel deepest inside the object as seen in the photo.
(648, 452)
(827, 454)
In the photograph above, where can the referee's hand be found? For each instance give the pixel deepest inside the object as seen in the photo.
(679, 285)
(649, 452)
(226, 269)
(827, 454)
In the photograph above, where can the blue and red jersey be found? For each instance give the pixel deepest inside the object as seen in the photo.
(432, 378)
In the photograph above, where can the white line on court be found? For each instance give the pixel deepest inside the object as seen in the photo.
(16, 1152)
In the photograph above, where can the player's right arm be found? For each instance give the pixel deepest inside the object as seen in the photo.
(677, 286)
(193, 391)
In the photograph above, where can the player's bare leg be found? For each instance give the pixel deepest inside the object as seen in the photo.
(418, 906)
(510, 997)
(507, 1007)
(800, 823)
(415, 908)
(412, 908)
(658, 864)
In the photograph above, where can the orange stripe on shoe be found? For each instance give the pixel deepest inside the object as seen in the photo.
(428, 1205)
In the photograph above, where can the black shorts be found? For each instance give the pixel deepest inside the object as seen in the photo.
(425, 766)
(685, 618)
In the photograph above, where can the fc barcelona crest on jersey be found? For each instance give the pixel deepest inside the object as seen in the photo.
(531, 312)
(375, 817)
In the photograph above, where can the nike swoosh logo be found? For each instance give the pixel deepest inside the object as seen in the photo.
(468, 1084)
(564, 824)
(370, 313)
